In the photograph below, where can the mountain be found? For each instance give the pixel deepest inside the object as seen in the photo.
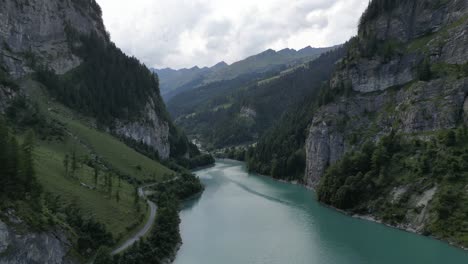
(30, 42)
(386, 139)
(82, 127)
(174, 82)
(238, 111)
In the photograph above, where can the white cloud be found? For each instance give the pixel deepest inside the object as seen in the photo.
(184, 33)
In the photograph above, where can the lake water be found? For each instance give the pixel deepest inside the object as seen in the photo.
(243, 218)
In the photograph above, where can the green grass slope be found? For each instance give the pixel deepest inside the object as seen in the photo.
(128, 168)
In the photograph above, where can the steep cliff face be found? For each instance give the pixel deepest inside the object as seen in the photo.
(418, 107)
(36, 32)
(26, 247)
(390, 145)
(383, 69)
(391, 45)
(407, 20)
(153, 131)
(37, 29)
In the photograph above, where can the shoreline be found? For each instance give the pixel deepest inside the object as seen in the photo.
(369, 218)
(373, 219)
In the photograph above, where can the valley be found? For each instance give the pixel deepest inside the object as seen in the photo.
(270, 158)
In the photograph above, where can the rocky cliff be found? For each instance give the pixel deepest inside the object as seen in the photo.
(37, 29)
(380, 148)
(153, 131)
(19, 247)
(6, 95)
(382, 68)
(36, 32)
(391, 45)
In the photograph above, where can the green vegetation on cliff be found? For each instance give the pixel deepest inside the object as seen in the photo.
(107, 85)
(110, 86)
(18, 181)
(365, 182)
(280, 150)
(88, 178)
(78, 179)
(377, 8)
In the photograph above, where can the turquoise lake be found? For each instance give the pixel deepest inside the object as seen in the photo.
(244, 218)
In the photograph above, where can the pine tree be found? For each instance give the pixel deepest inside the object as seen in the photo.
(109, 185)
(96, 174)
(14, 184)
(74, 163)
(27, 162)
(424, 70)
(117, 196)
(66, 163)
(135, 197)
(103, 256)
(3, 156)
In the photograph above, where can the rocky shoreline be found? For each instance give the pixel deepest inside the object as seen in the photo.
(371, 218)
(399, 227)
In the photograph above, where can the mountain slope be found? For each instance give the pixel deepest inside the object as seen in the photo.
(83, 125)
(386, 137)
(394, 147)
(174, 82)
(71, 39)
(239, 115)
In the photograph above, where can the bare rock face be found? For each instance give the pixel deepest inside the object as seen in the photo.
(372, 74)
(32, 248)
(416, 30)
(455, 48)
(152, 131)
(413, 19)
(420, 107)
(35, 30)
(6, 95)
(248, 112)
(413, 31)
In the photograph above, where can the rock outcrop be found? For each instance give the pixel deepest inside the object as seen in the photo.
(411, 32)
(6, 95)
(419, 107)
(386, 92)
(153, 131)
(35, 32)
(413, 19)
(31, 248)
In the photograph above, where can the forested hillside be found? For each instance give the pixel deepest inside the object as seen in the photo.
(82, 127)
(174, 82)
(235, 112)
(17, 167)
(108, 84)
(393, 147)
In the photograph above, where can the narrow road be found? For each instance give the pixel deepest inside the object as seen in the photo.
(142, 232)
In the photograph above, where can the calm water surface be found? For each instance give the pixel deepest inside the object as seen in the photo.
(243, 218)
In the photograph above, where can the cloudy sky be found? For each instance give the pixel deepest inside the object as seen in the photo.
(184, 33)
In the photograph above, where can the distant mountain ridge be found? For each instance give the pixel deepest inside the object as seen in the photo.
(236, 112)
(173, 82)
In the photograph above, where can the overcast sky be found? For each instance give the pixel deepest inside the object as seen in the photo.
(185, 33)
